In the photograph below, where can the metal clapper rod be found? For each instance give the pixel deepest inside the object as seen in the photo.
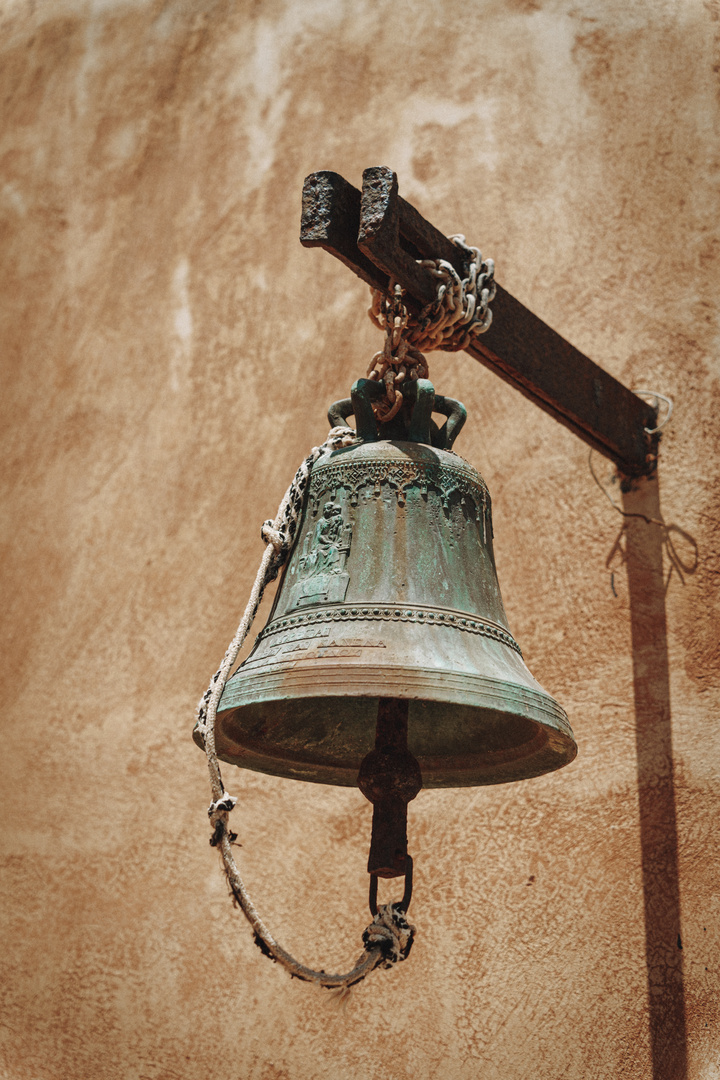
(390, 778)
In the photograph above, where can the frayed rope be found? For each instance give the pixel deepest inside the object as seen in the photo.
(388, 939)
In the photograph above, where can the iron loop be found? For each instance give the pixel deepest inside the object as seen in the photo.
(401, 905)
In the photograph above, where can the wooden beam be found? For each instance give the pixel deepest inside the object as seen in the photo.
(380, 236)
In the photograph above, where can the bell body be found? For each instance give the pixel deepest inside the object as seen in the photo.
(391, 592)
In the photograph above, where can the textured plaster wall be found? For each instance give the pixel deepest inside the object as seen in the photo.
(169, 351)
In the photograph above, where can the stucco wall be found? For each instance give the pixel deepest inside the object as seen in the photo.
(169, 351)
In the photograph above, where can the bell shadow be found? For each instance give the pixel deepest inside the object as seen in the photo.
(646, 537)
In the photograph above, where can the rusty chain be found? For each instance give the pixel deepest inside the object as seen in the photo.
(460, 311)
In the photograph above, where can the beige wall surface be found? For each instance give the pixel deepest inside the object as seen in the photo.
(169, 351)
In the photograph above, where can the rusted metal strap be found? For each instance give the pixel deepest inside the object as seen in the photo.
(379, 236)
(390, 778)
(400, 905)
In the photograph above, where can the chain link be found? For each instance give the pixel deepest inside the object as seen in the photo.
(460, 311)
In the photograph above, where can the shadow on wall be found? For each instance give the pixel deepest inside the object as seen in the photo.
(645, 536)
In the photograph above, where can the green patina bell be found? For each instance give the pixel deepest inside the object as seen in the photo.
(390, 598)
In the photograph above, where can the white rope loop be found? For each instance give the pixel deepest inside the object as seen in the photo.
(656, 399)
(389, 937)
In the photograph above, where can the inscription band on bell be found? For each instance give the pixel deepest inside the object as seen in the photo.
(454, 620)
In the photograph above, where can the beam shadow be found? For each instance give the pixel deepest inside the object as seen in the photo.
(645, 538)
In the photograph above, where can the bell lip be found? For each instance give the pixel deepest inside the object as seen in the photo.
(552, 747)
(309, 679)
(544, 754)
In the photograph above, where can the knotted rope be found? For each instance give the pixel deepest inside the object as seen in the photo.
(388, 938)
(459, 312)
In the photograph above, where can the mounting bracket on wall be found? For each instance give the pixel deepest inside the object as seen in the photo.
(380, 237)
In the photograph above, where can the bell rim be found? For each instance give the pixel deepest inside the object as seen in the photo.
(392, 680)
(551, 747)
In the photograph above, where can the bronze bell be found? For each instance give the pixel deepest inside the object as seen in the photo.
(389, 613)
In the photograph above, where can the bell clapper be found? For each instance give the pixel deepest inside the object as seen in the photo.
(390, 778)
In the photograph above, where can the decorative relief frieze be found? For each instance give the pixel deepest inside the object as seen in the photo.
(355, 476)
